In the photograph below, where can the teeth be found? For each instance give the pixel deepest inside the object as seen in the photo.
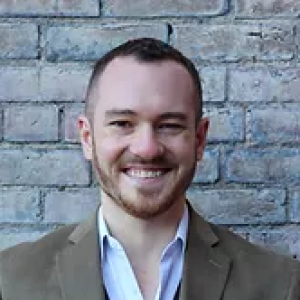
(144, 173)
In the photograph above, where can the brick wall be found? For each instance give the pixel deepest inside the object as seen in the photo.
(247, 52)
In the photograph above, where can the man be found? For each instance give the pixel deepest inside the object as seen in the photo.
(143, 131)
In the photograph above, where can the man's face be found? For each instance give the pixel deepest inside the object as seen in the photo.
(144, 142)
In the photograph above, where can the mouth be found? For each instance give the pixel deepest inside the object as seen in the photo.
(145, 173)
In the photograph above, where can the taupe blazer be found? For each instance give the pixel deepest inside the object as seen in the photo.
(64, 265)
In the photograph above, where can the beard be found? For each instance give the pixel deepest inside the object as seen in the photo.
(143, 204)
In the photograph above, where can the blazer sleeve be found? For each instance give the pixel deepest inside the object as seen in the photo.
(294, 290)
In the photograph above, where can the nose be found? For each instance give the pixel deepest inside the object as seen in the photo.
(145, 144)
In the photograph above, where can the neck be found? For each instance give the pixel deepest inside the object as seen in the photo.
(141, 237)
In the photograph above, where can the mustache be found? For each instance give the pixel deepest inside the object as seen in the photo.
(162, 160)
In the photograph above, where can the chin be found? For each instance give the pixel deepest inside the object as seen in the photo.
(145, 207)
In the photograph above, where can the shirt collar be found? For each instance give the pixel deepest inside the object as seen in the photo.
(181, 233)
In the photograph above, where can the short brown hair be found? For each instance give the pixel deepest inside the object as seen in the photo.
(144, 50)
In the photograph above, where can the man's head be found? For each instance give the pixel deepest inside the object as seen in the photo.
(140, 131)
(146, 50)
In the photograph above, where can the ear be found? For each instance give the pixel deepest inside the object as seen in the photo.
(201, 134)
(85, 134)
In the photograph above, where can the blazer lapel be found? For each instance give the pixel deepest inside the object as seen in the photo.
(79, 268)
(206, 267)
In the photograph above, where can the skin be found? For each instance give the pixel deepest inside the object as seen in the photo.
(144, 145)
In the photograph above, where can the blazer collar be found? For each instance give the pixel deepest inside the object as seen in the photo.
(206, 266)
(205, 272)
(79, 268)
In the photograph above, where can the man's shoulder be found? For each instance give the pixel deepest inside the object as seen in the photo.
(258, 264)
(247, 257)
(230, 240)
(252, 270)
(24, 254)
(239, 247)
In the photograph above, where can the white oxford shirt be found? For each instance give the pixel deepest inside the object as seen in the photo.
(118, 277)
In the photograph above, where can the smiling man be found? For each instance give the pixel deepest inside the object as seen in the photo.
(144, 132)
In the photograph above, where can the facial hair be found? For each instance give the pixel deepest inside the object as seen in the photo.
(141, 209)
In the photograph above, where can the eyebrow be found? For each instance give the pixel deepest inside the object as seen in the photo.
(127, 112)
(119, 112)
(174, 115)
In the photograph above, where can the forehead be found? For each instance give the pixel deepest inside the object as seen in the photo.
(128, 82)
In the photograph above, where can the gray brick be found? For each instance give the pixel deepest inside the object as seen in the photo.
(18, 41)
(90, 42)
(163, 8)
(18, 84)
(218, 42)
(277, 42)
(70, 206)
(1, 124)
(274, 124)
(21, 7)
(31, 123)
(235, 42)
(71, 133)
(264, 84)
(284, 240)
(263, 165)
(78, 7)
(19, 205)
(267, 8)
(294, 196)
(234, 207)
(64, 83)
(226, 125)
(248, 56)
(213, 83)
(207, 170)
(49, 8)
(11, 238)
(297, 40)
(33, 167)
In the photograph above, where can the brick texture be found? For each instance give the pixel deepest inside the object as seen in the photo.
(282, 240)
(33, 167)
(49, 8)
(207, 170)
(294, 196)
(213, 83)
(1, 124)
(31, 123)
(259, 166)
(18, 84)
(267, 8)
(63, 83)
(240, 206)
(274, 124)
(235, 42)
(264, 84)
(248, 56)
(58, 205)
(90, 42)
(18, 41)
(164, 8)
(24, 205)
(226, 125)
(70, 122)
(9, 238)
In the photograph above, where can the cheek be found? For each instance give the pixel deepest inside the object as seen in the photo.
(109, 149)
(184, 148)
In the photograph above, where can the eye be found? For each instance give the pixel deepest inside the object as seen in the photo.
(172, 127)
(120, 124)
